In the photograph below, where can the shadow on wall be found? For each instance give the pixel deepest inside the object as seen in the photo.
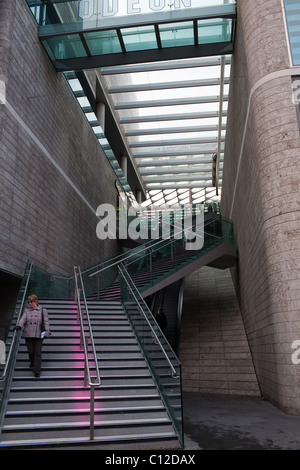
(214, 351)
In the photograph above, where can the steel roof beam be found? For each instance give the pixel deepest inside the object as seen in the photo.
(183, 178)
(194, 161)
(175, 171)
(170, 65)
(197, 160)
(136, 57)
(133, 88)
(176, 153)
(171, 117)
(173, 185)
(150, 143)
(174, 130)
(169, 102)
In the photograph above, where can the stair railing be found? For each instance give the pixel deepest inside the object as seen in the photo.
(85, 338)
(143, 307)
(161, 359)
(11, 354)
(24, 288)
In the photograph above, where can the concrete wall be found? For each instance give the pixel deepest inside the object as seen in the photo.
(53, 174)
(261, 193)
(214, 351)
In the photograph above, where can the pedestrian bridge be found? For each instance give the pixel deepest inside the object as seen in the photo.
(86, 34)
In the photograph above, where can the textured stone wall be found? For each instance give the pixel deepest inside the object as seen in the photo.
(214, 351)
(53, 174)
(261, 193)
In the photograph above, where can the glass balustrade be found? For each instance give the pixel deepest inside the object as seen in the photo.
(161, 359)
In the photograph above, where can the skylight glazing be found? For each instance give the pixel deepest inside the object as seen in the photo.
(175, 147)
(164, 68)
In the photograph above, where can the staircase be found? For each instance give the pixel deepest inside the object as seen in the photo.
(53, 411)
(167, 261)
(134, 407)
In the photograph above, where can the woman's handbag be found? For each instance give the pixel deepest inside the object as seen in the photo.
(43, 329)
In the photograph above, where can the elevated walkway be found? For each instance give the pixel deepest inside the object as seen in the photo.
(159, 263)
(87, 34)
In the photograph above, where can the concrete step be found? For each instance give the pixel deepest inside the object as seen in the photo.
(43, 417)
(111, 402)
(81, 428)
(135, 440)
(78, 367)
(55, 380)
(78, 389)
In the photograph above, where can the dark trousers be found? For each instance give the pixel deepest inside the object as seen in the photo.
(34, 347)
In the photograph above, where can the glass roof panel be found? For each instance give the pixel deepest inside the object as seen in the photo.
(66, 47)
(103, 42)
(177, 34)
(214, 30)
(139, 38)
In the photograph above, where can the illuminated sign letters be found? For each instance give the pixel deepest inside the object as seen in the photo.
(108, 8)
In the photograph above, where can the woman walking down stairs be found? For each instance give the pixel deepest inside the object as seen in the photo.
(54, 409)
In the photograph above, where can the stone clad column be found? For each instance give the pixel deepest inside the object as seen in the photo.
(100, 113)
(124, 165)
(261, 193)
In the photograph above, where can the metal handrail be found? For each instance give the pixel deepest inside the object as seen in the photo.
(174, 372)
(124, 257)
(15, 334)
(88, 380)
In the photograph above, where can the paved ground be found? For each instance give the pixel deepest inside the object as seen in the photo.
(237, 423)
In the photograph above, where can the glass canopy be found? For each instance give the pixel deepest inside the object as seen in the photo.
(173, 115)
(165, 76)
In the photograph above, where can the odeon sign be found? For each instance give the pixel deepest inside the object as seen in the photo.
(108, 8)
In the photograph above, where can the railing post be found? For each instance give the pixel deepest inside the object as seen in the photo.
(84, 340)
(78, 306)
(150, 260)
(98, 286)
(85, 373)
(92, 412)
(75, 287)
